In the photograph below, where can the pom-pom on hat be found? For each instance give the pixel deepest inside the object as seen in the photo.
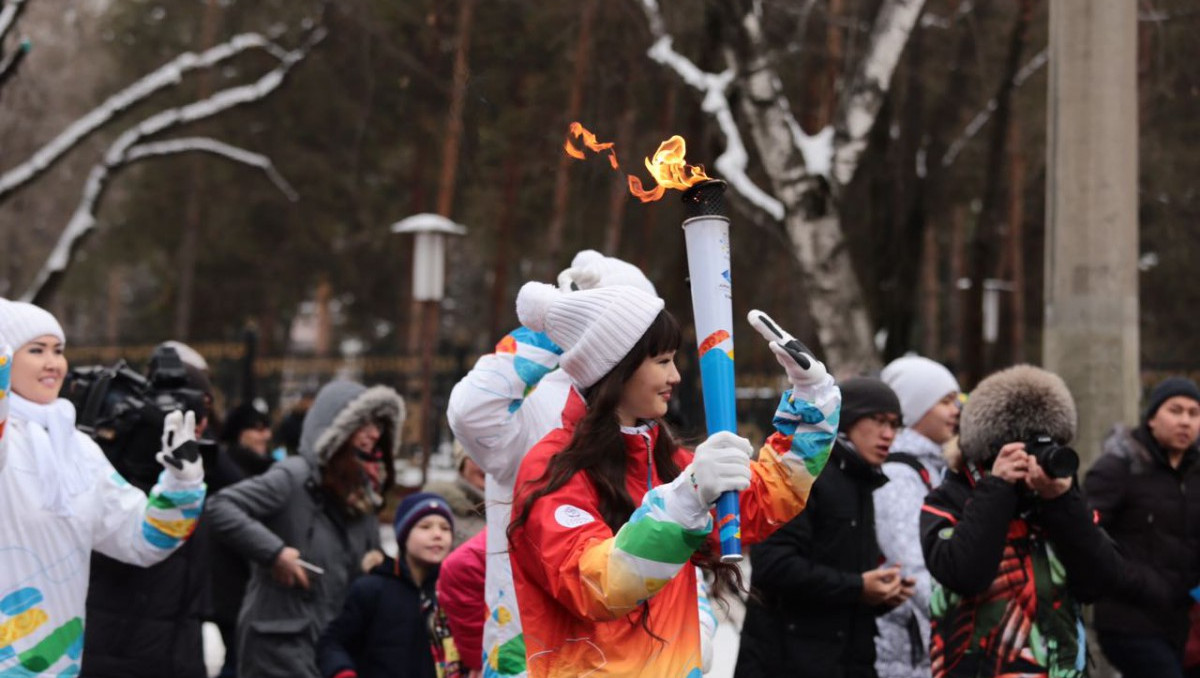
(416, 506)
(1013, 405)
(1169, 388)
(596, 328)
(864, 397)
(21, 323)
(590, 269)
(919, 383)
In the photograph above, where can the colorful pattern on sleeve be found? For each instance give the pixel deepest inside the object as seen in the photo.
(171, 514)
(534, 356)
(641, 559)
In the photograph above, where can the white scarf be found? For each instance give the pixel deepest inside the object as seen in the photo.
(62, 468)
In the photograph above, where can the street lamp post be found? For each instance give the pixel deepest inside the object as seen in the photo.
(429, 287)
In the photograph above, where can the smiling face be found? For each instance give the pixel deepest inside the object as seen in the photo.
(940, 423)
(38, 370)
(428, 542)
(873, 435)
(257, 438)
(1175, 424)
(647, 393)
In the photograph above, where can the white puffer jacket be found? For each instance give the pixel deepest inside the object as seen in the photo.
(902, 646)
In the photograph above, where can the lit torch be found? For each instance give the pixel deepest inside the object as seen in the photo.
(706, 233)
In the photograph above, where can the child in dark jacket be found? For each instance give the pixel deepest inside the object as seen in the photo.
(391, 625)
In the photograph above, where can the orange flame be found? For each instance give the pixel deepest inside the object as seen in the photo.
(669, 171)
(667, 165)
(578, 131)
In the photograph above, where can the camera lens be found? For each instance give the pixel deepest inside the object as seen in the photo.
(1059, 461)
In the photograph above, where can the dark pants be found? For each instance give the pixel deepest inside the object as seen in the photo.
(1141, 656)
(229, 637)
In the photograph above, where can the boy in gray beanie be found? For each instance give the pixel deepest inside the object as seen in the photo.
(1013, 551)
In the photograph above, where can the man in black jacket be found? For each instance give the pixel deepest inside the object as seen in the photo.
(1146, 490)
(817, 583)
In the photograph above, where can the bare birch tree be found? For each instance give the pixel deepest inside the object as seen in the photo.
(806, 172)
(145, 139)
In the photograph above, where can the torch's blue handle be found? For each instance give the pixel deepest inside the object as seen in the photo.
(720, 414)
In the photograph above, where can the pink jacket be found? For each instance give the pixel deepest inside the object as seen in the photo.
(460, 593)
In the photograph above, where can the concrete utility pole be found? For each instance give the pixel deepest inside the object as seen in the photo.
(1091, 324)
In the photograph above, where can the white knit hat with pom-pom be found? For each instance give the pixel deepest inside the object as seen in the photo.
(595, 328)
(590, 269)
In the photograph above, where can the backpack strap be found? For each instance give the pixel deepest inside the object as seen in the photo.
(912, 462)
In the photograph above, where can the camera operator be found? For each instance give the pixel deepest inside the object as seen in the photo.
(1010, 542)
(60, 499)
(1146, 491)
(147, 620)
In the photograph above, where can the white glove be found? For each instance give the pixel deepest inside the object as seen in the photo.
(180, 454)
(721, 464)
(802, 368)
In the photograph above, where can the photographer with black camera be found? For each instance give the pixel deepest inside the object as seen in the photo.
(1010, 542)
(60, 499)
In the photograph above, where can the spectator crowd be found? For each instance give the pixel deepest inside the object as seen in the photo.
(897, 526)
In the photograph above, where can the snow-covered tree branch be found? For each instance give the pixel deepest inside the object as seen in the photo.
(83, 220)
(869, 86)
(132, 145)
(796, 163)
(168, 75)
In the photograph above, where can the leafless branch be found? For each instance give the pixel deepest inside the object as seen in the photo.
(167, 75)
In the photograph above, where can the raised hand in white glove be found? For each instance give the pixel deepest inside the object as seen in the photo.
(180, 454)
(803, 369)
(578, 278)
(721, 464)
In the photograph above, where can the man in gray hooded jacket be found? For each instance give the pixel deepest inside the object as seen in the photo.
(307, 524)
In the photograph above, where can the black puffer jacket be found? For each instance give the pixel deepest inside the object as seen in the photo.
(1153, 512)
(806, 618)
(382, 631)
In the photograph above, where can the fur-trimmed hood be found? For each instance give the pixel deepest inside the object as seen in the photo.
(1015, 404)
(340, 409)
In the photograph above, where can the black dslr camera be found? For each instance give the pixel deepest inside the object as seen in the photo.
(123, 411)
(1058, 461)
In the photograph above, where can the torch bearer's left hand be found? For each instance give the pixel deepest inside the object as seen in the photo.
(803, 369)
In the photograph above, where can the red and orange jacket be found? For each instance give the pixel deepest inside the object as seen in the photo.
(582, 589)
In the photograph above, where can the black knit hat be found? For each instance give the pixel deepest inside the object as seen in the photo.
(1169, 388)
(240, 418)
(863, 397)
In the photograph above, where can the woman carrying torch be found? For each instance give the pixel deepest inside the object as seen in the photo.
(609, 510)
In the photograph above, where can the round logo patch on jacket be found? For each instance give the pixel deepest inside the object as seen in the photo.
(571, 516)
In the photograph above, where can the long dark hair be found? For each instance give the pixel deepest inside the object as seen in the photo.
(598, 434)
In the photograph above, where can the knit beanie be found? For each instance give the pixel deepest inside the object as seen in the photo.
(596, 328)
(1014, 405)
(416, 506)
(863, 397)
(919, 383)
(590, 269)
(1169, 388)
(21, 323)
(240, 418)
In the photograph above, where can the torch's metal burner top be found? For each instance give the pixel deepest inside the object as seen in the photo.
(706, 198)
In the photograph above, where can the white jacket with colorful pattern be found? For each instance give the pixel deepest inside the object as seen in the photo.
(45, 557)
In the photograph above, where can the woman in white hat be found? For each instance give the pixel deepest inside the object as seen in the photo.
(609, 511)
(60, 499)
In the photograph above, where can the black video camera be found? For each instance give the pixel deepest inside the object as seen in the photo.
(123, 411)
(1058, 461)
